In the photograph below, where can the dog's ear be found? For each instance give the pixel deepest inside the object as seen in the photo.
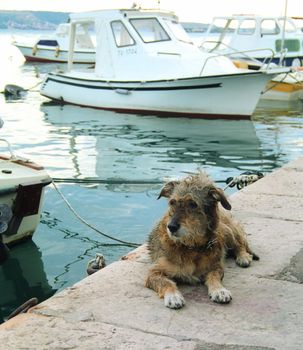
(219, 195)
(167, 189)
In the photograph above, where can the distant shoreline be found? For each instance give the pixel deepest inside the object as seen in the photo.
(32, 20)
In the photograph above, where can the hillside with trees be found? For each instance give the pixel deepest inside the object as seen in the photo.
(39, 20)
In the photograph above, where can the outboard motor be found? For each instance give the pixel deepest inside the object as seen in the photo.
(13, 92)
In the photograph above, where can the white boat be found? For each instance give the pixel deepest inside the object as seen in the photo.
(22, 185)
(54, 48)
(256, 36)
(146, 63)
(258, 39)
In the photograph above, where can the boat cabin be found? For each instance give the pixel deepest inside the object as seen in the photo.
(135, 44)
(259, 33)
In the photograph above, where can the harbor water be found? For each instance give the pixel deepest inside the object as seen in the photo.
(110, 168)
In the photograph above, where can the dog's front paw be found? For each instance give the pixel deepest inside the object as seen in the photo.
(221, 295)
(244, 260)
(174, 300)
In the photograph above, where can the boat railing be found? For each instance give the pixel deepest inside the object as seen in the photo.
(12, 155)
(244, 53)
(283, 54)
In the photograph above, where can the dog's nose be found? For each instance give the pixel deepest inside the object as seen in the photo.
(173, 227)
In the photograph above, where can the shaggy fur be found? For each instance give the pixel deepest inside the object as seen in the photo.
(191, 240)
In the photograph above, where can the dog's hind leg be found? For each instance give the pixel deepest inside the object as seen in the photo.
(216, 291)
(236, 242)
(165, 287)
(242, 253)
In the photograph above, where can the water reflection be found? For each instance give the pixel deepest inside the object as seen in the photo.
(279, 126)
(108, 145)
(271, 108)
(22, 277)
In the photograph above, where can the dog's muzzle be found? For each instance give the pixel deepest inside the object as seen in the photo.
(173, 227)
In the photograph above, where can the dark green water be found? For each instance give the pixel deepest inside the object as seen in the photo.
(132, 156)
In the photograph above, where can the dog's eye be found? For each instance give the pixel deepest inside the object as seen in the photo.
(192, 205)
(172, 202)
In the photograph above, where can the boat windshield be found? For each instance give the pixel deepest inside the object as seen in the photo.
(178, 31)
(149, 30)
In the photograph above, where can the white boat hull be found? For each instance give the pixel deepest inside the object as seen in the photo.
(21, 189)
(51, 54)
(214, 96)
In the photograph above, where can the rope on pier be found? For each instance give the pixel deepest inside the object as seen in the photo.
(244, 179)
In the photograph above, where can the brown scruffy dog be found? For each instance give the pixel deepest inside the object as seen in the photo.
(191, 240)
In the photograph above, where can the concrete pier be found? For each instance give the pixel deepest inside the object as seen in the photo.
(112, 309)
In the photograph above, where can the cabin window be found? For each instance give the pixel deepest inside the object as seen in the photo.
(178, 31)
(292, 45)
(247, 27)
(289, 25)
(48, 42)
(221, 25)
(269, 27)
(149, 30)
(121, 34)
(85, 36)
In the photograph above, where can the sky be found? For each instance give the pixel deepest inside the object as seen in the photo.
(195, 10)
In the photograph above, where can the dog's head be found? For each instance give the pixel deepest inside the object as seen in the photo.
(192, 216)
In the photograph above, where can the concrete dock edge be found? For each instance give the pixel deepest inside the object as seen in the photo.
(112, 309)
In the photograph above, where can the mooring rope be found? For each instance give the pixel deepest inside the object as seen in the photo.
(131, 244)
(107, 181)
(34, 86)
(23, 308)
(240, 181)
(275, 83)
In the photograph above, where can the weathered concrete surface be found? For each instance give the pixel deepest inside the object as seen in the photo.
(112, 310)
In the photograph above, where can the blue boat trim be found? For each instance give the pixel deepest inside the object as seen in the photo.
(46, 42)
(205, 86)
(287, 61)
(153, 81)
